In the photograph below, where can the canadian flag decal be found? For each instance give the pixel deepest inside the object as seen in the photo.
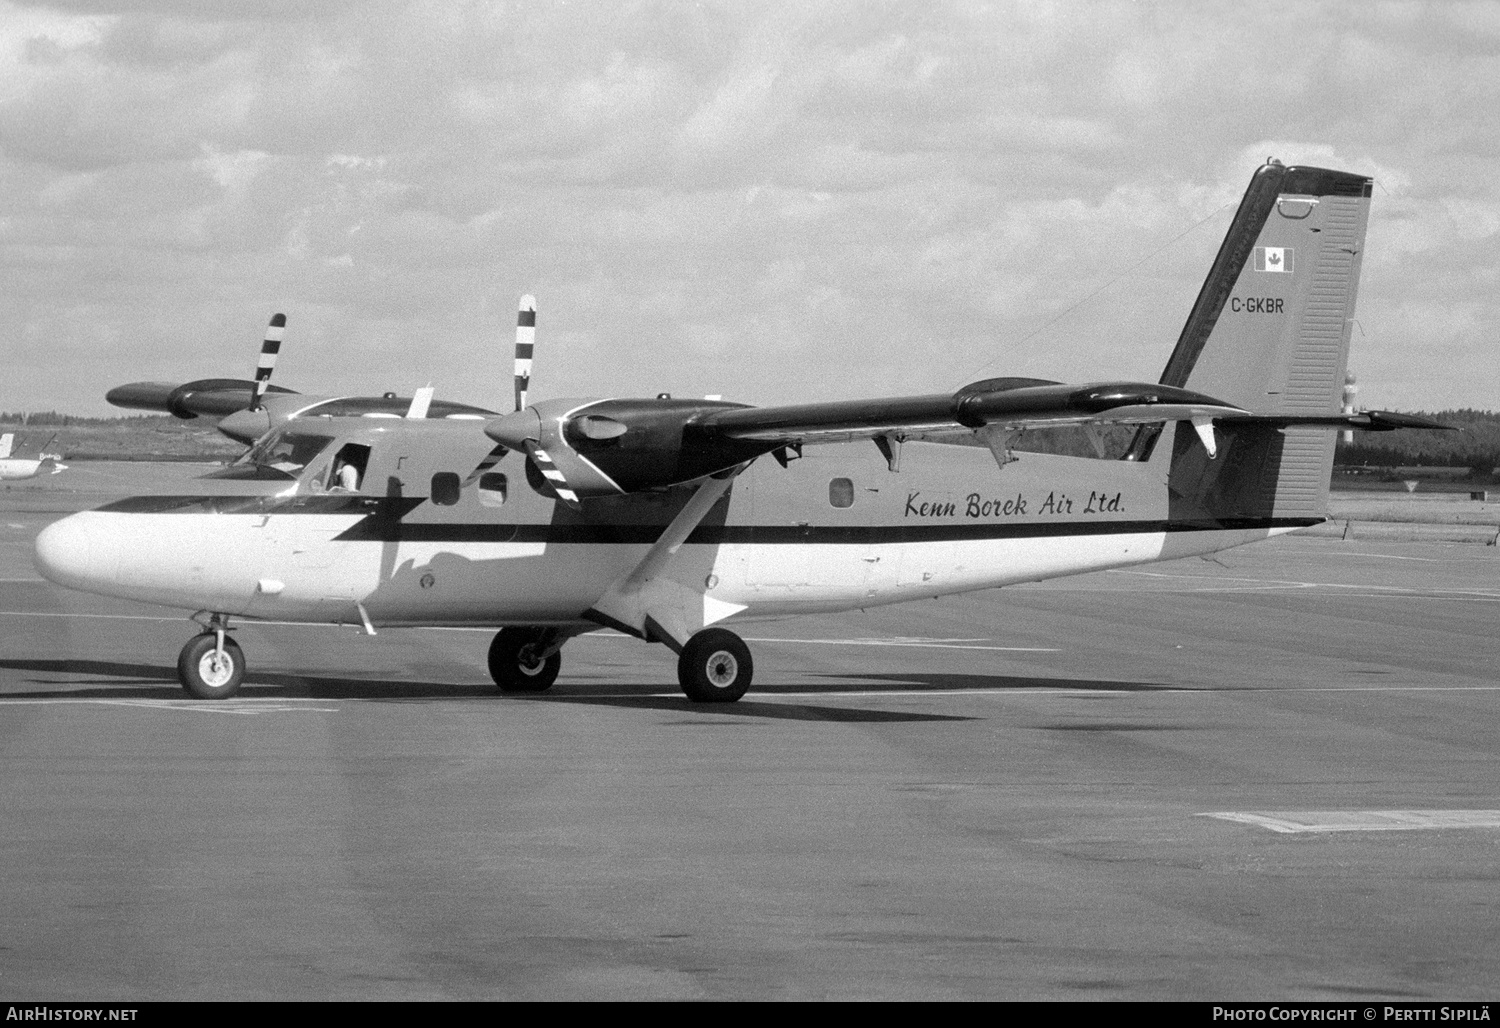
(1273, 258)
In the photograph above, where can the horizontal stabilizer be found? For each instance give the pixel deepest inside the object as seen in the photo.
(1366, 420)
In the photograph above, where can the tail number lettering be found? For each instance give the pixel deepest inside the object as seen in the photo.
(1256, 305)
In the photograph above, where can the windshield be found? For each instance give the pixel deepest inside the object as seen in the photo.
(289, 452)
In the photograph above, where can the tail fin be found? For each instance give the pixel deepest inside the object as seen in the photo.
(6, 441)
(1269, 332)
(1270, 329)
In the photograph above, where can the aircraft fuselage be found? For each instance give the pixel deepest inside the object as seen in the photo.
(833, 531)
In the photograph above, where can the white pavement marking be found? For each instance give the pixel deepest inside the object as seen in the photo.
(941, 644)
(234, 706)
(1293, 822)
(1264, 584)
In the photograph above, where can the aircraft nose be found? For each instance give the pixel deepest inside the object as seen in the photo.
(65, 552)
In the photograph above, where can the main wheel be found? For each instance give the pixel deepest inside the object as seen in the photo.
(514, 664)
(715, 667)
(205, 673)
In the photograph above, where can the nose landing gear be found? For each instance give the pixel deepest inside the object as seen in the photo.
(212, 666)
(525, 659)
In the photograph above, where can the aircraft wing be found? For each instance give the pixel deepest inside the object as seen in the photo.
(1006, 403)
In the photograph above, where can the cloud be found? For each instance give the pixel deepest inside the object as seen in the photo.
(881, 197)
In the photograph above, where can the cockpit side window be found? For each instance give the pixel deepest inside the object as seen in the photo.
(347, 472)
(287, 452)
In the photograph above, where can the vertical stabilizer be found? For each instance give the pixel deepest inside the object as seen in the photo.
(6, 441)
(1270, 328)
(1269, 332)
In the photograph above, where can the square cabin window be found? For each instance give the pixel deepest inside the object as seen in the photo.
(841, 492)
(445, 488)
(493, 489)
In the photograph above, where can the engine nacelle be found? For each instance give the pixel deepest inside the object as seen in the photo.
(610, 447)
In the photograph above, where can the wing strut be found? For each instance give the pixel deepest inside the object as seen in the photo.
(653, 606)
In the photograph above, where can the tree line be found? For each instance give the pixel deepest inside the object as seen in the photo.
(1476, 445)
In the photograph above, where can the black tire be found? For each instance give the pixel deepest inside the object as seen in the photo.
(202, 676)
(512, 667)
(715, 667)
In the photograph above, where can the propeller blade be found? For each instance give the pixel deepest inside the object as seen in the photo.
(268, 351)
(550, 472)
(525, 343)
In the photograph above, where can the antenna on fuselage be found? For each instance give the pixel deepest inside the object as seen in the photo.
(525, 344)
(268, 351)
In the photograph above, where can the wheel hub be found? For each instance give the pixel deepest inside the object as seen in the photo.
(528, 662)
(215, 668)
(723, 669)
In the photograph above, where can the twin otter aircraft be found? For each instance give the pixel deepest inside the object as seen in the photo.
(658, 517)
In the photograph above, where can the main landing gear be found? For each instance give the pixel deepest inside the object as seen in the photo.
(211, 666)
(714, 666)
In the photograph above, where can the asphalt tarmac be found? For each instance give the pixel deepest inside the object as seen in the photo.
(1009, 795)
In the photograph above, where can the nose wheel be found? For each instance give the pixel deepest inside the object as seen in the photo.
(520, 660)
(715, 667)
(211, 666)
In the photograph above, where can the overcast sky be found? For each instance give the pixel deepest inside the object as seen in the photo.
(775, 202)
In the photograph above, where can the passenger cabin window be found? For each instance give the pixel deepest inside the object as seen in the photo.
(493, 489)
(841, 492)
(445, 488)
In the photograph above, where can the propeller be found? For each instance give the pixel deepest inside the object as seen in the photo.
(525, 439)
(525, 344)
(521, 428)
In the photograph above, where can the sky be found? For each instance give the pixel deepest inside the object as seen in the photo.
(774, 202)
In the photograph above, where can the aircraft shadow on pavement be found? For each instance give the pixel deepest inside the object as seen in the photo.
(149, 681)
(750, 708)
(116, 679)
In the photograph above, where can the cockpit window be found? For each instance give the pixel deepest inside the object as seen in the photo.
(348, 469)
(287, 452)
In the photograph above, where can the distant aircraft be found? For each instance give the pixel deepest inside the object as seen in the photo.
(23, 467)
(659, 517)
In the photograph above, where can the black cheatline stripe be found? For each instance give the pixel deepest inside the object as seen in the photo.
(526, 319)
(328, 504)
(525, 351)
(382, 523)
(377, 529)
